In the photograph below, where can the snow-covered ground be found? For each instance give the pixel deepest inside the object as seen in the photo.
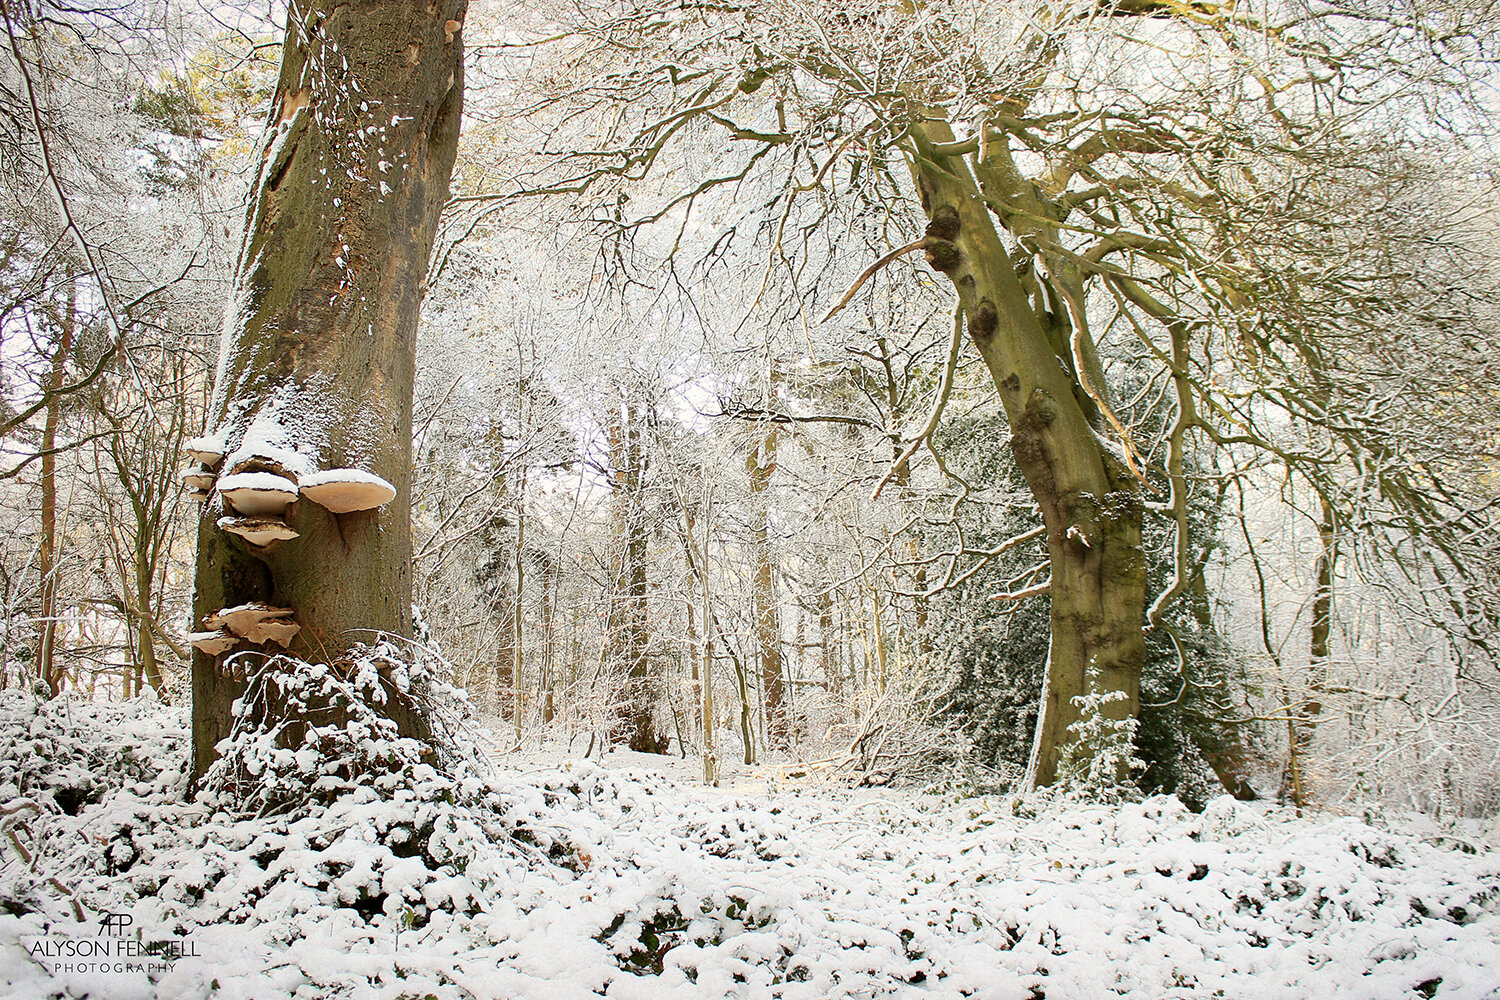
(553, 879)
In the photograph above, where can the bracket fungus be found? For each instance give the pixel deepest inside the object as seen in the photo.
(257, 455)
(257, 494)
(200, 480)
(208, 449)
(255, 622)
(343, 491)
(215, 642)
(258, 531)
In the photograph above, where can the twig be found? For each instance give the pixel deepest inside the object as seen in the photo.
(869, 271)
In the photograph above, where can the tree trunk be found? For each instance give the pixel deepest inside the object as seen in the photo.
(1304, 712)
(318, 354)
(833, 672)
(761, 464)
(518, 634)
(46, 658)
(1089, 503)
(546, 680)
(629, 633)
(146, 664)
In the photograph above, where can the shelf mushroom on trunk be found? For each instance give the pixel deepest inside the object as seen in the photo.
(198, 482)
(208, 449)
(259, 532)
(256, 623)
(258, 494)
(214, 642)
(344, 491)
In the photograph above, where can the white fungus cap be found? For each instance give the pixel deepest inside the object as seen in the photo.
(213, 643)
(346, 490)
(256, 621)
(208, 449)
(258, 531)
(198, 479)
(257, 493)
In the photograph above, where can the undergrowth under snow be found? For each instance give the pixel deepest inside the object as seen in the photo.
(579, 880)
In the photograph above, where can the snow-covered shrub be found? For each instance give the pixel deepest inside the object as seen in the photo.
(893, 737)
(454, 881)
(66, 753)
(313, 732)
(63, 759)
(1098, 764)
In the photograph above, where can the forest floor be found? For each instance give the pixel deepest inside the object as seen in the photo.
(550, 879)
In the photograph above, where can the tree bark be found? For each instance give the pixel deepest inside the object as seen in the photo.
(629, 630)
(1304, 712)
(46, 658)
(1089, 502)
(761, 464)
(319, 346)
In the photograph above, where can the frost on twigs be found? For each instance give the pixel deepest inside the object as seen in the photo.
(898, 739)
(312, 732)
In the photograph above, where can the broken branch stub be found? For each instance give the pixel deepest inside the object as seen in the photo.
(258, 531)
(343, 491)
(257, 494)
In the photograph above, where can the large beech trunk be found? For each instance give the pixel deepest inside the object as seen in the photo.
(318, 350)
(1089, 501)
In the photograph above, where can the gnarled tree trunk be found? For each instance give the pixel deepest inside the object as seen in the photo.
(318, 352)
(1088, 499)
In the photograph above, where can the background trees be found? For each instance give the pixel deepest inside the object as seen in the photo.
(1222, 196)
(100, 334)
